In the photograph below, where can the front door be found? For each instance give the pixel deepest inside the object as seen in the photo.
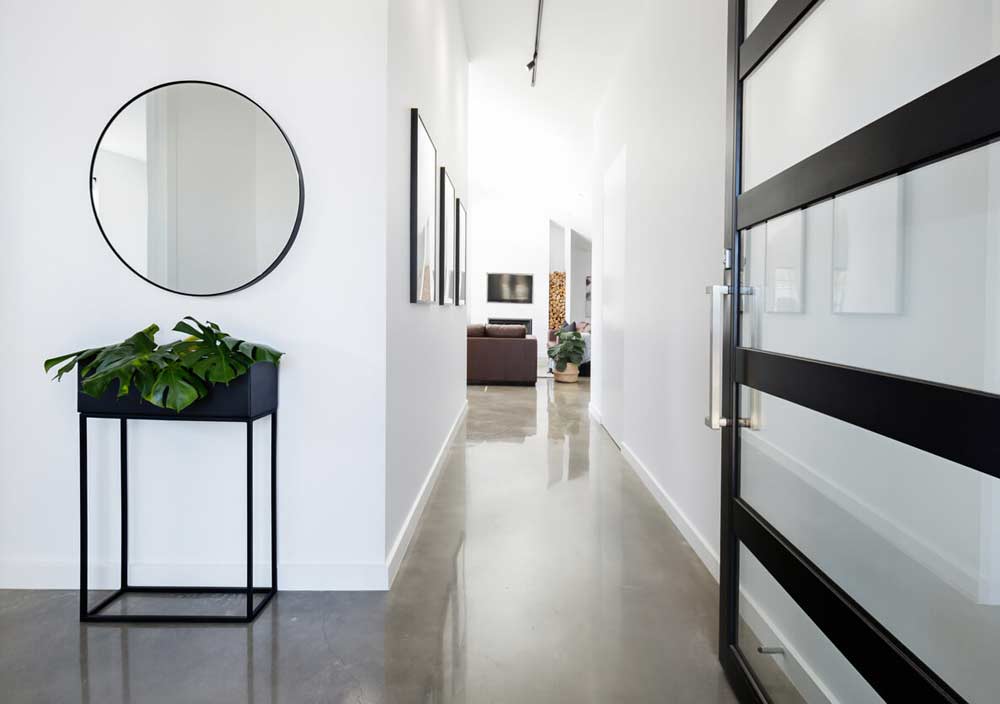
(856, 354)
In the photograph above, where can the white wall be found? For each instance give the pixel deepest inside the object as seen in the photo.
(320, 69)
(673, 155)
(557, 247)
(428, 69)
(614, 208)
(579, 270)
(507, 241)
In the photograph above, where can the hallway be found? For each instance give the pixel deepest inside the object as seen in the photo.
(560, 578)
(542, 571)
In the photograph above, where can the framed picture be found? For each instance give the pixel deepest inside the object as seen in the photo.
(784, 262)
(461, 250)
(423, 213)
(868, 250)
(449, 237)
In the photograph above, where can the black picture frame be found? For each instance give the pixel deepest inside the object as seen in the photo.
(291, 149)
(447, 249)
(423, 224)
(461, 251)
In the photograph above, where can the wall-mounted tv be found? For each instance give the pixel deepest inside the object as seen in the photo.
(509, 288)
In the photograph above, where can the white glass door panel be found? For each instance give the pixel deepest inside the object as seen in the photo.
(850, 62)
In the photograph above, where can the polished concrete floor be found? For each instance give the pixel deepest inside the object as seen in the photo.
(542, 571)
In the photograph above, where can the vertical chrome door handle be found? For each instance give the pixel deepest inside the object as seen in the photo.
(715, 420)
(753, 306)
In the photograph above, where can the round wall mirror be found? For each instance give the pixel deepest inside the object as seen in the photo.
(196, 188)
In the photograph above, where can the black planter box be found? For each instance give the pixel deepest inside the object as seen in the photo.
(252, 395)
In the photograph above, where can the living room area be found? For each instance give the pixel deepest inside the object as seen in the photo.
(536, 325)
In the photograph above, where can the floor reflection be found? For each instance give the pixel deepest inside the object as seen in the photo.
(568, 430)
(514, 420)
(134, 664)
(426, 616)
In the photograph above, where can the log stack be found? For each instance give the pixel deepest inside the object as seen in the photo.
(557, 299)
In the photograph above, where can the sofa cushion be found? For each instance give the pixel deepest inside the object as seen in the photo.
(506, 331)
(475, 330)
(568, 327)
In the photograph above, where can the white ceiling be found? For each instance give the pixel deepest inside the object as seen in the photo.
(581, 46)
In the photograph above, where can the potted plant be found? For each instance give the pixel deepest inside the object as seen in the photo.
(567, 354)
(141, 377)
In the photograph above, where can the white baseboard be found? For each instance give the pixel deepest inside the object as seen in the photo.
(701, 546)
(594, 413)
(399, 547)
(292, 577)
(48, 575)
(332, 577)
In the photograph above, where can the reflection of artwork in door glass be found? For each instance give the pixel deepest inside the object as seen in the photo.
(785, 292)
(784, 241)
(868, 250)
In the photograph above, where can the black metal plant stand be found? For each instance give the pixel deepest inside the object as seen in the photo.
(246, 400)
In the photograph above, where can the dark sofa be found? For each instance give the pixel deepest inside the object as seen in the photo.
(501, 354)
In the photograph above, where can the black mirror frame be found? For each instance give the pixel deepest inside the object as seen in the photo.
(298, 169)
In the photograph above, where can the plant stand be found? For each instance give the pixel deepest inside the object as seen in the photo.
(259, 391)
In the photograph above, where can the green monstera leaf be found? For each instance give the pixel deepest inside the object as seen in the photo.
(174, 375)
(142, 340)
(101, 366)
(253, 350)
(205, 354)
(177, 388)
(570, 348)
(216, 356)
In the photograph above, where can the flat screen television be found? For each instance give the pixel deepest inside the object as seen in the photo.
(509, 288)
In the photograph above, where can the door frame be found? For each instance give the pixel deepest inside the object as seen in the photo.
(960, 115)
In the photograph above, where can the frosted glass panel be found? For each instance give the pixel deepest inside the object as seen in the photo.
(914, 538)
(755, 11)
(810, 670)
(900, 276)
(850, 62)
(867, 249)
(783, 252)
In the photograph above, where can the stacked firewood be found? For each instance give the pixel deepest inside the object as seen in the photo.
(557, 299)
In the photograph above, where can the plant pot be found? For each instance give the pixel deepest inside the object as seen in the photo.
(570, 376)
(250, 396)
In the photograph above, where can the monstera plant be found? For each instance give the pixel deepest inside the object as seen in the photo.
(567, 353)
(173, 375)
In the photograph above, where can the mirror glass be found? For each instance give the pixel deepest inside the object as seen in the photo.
(196, 188)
